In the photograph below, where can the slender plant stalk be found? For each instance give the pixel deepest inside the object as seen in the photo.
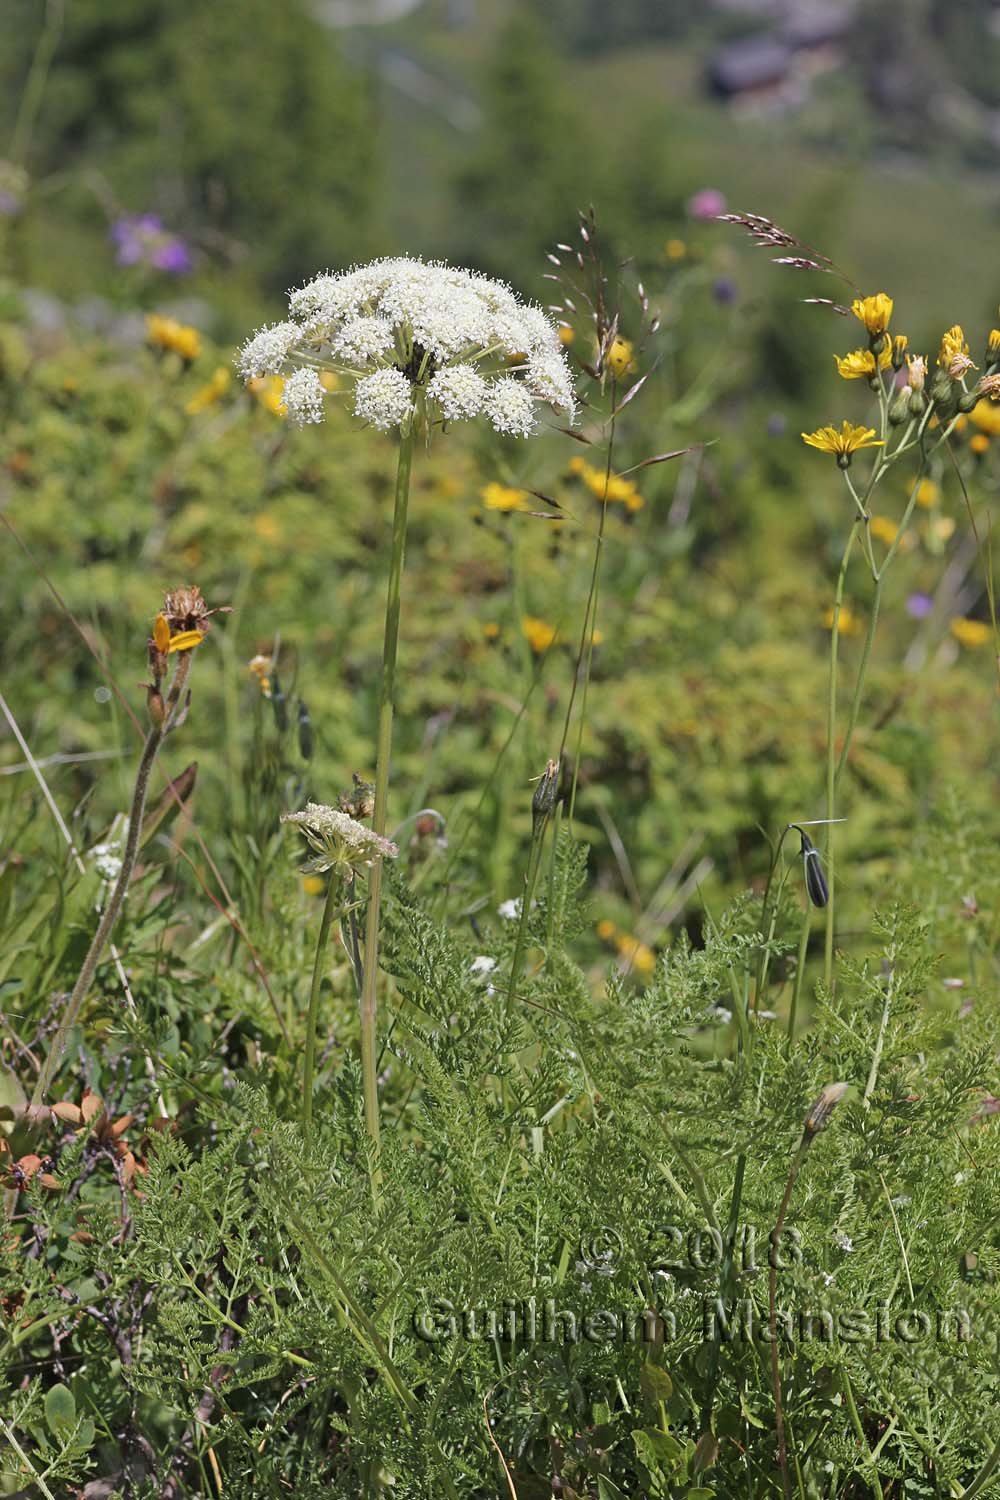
(772, 1307)
(831, 752)
(312, 1016)
(383, 755)
(521, 942)
(154, 739)
(799, 969)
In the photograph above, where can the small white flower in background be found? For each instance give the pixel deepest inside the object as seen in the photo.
(843, 1241)
(339, 841)
(107, 858)
(419, 340)
(483, 965)
(510, 910)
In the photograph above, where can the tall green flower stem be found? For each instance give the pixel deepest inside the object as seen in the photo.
(835, 763)
(312, 1016)
(154, 739)
(379, 817)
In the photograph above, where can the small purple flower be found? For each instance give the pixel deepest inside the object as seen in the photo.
(141, 239)
(919, 606)
(706, 203)
(725, 290)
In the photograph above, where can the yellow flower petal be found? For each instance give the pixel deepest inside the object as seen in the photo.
(161, 633)
(186, 640)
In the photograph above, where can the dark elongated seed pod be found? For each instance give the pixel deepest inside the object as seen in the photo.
(279, 704)
(305, 732)
(816, 885)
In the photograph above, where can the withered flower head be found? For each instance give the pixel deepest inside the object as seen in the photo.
(824, 1106)
(359, 802)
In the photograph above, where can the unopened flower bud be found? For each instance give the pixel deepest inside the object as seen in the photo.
(546, 795)
(899, 344)
(305, 732)
(824, 1106)
(155, 704)
(816, 886)
(993, 346)
(967, 401)
(360, 801)
(899, 406)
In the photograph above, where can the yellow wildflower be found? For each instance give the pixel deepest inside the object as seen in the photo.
(635, 953)
(210, 393)
(566, 335)
(161, 633)
(986, 416)
(873, 312)
(928, 493)
(268, 391)
(843, 443)
(943, 528)
(176, 338)
(619, 357)
(538, 633)
(610, 487)
(952, 345)
(606, 930)
(501, 497)
(266, 527)
(491, 630)
(886, 530)
(675, 249)
(186, 640)
(313, 885)
(329, 381)
(993, 344)
(898, 353)
(971, 632)
(979, 443)
(577, 466)
(849, 624)
(260, 667)
(862, 362)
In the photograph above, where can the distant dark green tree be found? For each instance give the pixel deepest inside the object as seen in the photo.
(241, 120)
(534, 164)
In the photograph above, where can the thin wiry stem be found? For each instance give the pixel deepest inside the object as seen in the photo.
(379, 817)
(154, 739)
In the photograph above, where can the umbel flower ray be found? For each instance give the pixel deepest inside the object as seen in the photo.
(416, 342)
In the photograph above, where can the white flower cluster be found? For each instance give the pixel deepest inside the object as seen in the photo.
(338, 840)
(413, 334)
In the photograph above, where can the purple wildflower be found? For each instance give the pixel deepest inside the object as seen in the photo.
(141, 239)
(706, 203)
(919, 606)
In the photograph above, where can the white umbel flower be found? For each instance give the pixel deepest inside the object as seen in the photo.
(462, 344)
(384, 399)
(339, 841)
(302, 397)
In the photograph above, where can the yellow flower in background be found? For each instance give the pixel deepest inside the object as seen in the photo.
(611, 487)
(952, 345)
(566, 335)
(538, 633)
(873, 312)
(329, 381)
(491, 630)
(619, 357)
(843, 443)
(986, 416)
(886, 530)
(177, 338)
(943, 528)
(313, 885)
(635, 953)
(675, 249)
(260, 667)
(266, 527)
(850, 624)
(971, 632)
(979, 442)
(928, 493)
(501, 497)
(210, 393)
(606, 930)
(268, 391)
(862, 362)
